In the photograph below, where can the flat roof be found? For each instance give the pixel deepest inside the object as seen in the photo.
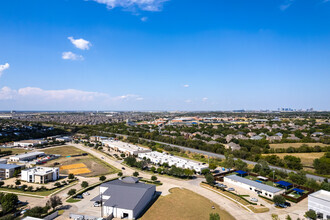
(321, 194)
(254, 184)
(8, 166)
(284, 183)
(36, 153)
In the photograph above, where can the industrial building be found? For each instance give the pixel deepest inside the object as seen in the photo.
(40, 174)
(161, 158)
(125, 198)
(126, 148)
(8, 170)
(259, 188)
(26, 157)
(320, 202)
(28, 143)
(65, 139)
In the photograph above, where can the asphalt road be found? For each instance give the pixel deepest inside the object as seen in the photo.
(221, 156)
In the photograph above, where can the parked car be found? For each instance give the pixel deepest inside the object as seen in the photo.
(281, 205)
(97, 204)
(102, 158)
(123, 168)
(79, 197)
(23, 211)
(287, 204)
(254, 200)
(231, 189)
(86, 194)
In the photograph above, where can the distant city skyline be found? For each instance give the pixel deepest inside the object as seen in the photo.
(164, 55)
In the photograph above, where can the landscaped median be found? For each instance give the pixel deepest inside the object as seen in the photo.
(244, 203)
(41, 193)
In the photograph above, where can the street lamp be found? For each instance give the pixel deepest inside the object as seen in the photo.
(273, 176)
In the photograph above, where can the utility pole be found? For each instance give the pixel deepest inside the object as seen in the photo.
(101, 204)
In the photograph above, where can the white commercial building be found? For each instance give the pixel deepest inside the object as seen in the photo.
(40, 174)
(28, 143)
(126, 148)
(26, 157)
(252, 185)
(320, 202)
(161, 158)
(125, 198)
(65, 139)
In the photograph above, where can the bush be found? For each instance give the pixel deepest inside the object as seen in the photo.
(214, 216)
(72, 192)
(120, 174)
(84, 184)
(71, 176)
(209, 178)
(154, 178)
(136, 174)
(278, 199)
(102, 178)
(311, 214)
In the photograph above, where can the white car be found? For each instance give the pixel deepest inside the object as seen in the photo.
(97, 204)
(86, 193)
(254, 200)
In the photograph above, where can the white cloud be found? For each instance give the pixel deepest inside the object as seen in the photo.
(3, 68)
(144, 19)
(144, 5)
(205, 99)
(286, 4)
(80, 43)
(186, 86)
(65, 95)
(71, 56)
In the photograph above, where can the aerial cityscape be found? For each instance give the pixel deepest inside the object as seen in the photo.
(165, 109)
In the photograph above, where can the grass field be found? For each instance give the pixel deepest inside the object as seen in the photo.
(184, 204)
(96, 166)
(63, 150)
(14, 150)
(306, 158)
(295, 145)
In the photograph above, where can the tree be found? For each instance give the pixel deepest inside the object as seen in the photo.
(209, 178)
(205, 171)
(72, 192)
(71, 176)
(2, 183)
(288, 217)
(84, 184)
(322, 165)
(229, 161)
(214, 216)
(159, 170)
(57, 184)
(37, 211)
(212, 166)
(153, 178)
(153, 169)
(298, 178)
(17, 182)
(9, 202)
(120, 174)
(102, 178)
(240, 165)
(136, 174)
(311, 214)
(54, 201)
(278, 200)
(293, 162)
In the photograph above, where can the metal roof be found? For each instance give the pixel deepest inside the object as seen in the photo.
(36, 153)
(8, 166)
(284, 183)
(298, 190)
(254, 184)
(241, 172)
(126, 193)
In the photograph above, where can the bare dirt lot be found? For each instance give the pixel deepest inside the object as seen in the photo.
(295, 145)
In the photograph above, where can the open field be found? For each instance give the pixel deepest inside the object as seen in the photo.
(63, 150)
(295, 145)
(14, 150)
(183, 204)
(306, 158)
(83, 165)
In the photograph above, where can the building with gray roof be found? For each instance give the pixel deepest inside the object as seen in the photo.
(125, 198)
(259, 188)
(8, 170)
(26, 156)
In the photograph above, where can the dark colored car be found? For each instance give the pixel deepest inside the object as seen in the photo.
(79, 197)
(287, 204)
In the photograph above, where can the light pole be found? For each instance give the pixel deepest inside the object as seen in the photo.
(101, 204)
(273, 176)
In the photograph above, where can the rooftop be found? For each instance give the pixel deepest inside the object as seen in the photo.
(125, 193)
(254, 184)
(321, 194)
(36, 153)
(8, 166)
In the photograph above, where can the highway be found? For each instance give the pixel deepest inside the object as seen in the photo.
(221, 156)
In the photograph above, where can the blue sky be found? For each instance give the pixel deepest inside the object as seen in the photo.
(164, 55)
